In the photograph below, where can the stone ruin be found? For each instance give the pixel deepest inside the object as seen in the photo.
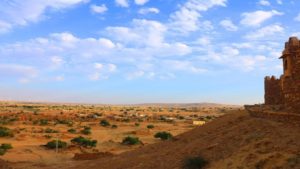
(285, 91)
(282, 96)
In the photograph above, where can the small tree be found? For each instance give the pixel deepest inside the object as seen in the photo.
(6, 132)
(73, 131)
(49, 130)
(85, 142)
(52, 144)
(4, 147)
(150, 126)
(114, 126)
(86, 131)
(44, 122)
(195, 163)
(163, 135)
(104, 123)
(131, 140)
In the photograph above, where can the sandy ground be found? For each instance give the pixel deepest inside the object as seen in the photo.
(28, 150)
(234, 141)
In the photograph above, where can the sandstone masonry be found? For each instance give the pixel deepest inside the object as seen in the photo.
(286, 90)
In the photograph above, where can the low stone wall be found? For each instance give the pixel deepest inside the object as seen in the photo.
(274, 113)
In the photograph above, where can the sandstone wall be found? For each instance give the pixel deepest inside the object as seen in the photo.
(273, 91)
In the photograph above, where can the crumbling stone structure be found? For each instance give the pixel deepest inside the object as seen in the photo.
(286, 90)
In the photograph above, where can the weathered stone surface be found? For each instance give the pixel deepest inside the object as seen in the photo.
(286, 90)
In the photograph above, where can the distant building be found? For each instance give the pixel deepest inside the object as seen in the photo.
(198, 123)
(286, 90)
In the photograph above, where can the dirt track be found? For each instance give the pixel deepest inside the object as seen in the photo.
(233, 141)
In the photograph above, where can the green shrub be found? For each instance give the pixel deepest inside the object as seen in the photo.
(195, 163)
(2, 152)
(43, 122)
(131, 140)
(6, 132)
(114, 126)
(47, 136)
(73, 131)
(67, 122)
(48, 130)
(104, 123)
(52, 144)
(150, 126)
(6, 146)
(86, 131)
(163, 135)
(85, 142)
(137, 124)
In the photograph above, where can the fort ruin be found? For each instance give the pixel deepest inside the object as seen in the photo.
(285, 91)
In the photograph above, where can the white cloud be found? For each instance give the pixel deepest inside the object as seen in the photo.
(111, 67)
(25, 12)
(297, 18)
(145, 11)
(122, 3)
(144, 33)
(59, 78)
(98, 9)
(4, 27)
(256, 18)
(98, 66)
(140, 2)
(97, 76)
(57, 61)
(279, 2)
(264, 3)
(187, 66)
(186, 19)
(228, 25)
(265, 32)
(230, 51)
(134, 75)
(24, 73)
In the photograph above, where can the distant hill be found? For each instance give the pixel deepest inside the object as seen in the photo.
(185, 105)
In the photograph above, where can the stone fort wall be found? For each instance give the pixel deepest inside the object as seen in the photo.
(286, 90)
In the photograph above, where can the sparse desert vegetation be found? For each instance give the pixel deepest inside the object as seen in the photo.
(35, 130)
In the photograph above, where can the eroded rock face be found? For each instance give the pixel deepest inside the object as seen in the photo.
(286, 90)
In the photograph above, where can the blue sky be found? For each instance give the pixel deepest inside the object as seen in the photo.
(142, 51)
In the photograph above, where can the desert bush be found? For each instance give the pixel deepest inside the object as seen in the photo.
(73, 131)
(52, 144)
(163, 135)
(85, 142)
(293, 161)
(104, 123)
(43, 122)
(2, 152)
(48, 136)
(195, 163)
(49, 130)
(86, 131)
(126, 120)
(137, 124)
(4, 147)
(5, 132)
(114, 126)
(150, 126)
(67, 122)
(131, 140)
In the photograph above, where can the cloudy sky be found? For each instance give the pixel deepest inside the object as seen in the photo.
(138, 51)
